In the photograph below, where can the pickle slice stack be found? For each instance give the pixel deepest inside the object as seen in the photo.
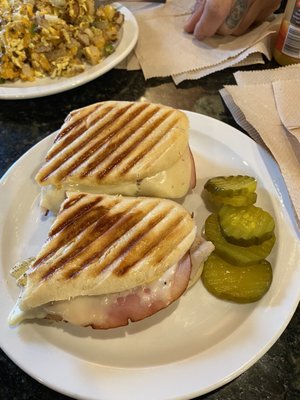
(243, 236)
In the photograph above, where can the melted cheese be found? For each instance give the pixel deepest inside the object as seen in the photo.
(85, 310)
(200, 251)
(171, 183)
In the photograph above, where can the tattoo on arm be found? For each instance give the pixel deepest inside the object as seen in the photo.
(237, 12)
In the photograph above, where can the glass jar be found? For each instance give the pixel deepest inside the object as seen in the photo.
(287, 46)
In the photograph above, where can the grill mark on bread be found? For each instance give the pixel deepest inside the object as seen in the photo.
(115, 144)
(98, 231)
(143, 153)
(70, 150)
(123, 248)
(110, 132)
(74, 225)
(61, 170)
(138, 140)
(66, 238)
(71, 219)
(68, 121)
(117, 141)
(118, 223)
(100, 113)
(69, 128)
(174, 237)
(73, 270)
(71, 232)
(72, 131)
(71, 202)
(111, 147)
(133, 257)
(70, 135)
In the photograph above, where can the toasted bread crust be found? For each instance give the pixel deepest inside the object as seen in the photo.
(101, 244)
(112, 141)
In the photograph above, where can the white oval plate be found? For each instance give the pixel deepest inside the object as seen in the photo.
(192, 347)
(47, 86)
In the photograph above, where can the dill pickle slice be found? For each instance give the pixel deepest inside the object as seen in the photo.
(232, 185)
(246, 226)
(233, 253)
(214, 201)
(239, 284)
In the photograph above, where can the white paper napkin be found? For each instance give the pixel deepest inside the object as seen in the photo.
(287, 98)
(164, 49)
(266, 105)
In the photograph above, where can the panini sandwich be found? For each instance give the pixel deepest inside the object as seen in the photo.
(116, 147)
(110, 259)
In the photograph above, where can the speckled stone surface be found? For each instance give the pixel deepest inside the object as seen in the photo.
(276, 376)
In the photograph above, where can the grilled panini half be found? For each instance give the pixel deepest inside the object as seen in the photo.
(104, 244)
(119, 147)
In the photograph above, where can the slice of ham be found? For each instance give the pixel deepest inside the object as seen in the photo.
(117, 309)
(193, 178)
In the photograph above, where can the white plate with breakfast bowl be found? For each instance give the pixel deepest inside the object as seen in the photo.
(195, 345)
(46, 86)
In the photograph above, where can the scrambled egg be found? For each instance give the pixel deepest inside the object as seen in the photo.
(54, 38)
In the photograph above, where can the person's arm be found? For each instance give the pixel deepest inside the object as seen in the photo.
(227, 17)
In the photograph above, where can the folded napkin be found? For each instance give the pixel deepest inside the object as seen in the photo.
(266, 104)
(164, 49)
(287, 92)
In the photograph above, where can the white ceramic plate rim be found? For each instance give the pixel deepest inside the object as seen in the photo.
(47, 86)
(199, 373)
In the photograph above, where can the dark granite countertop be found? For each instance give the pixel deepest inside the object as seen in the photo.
(276, 376)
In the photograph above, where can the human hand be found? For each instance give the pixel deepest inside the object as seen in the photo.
(227, 17)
